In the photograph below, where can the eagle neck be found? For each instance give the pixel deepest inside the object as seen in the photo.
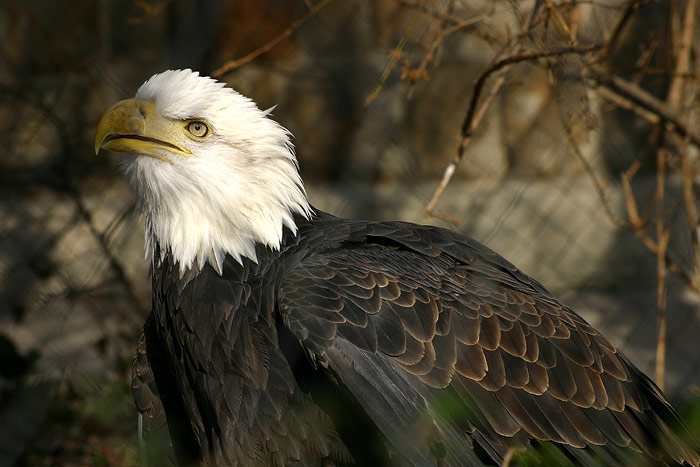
(203, 221)
(292, 247)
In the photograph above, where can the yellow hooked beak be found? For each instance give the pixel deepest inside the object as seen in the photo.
(132, 125)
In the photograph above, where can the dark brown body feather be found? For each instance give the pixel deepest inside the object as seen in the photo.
(386, 343)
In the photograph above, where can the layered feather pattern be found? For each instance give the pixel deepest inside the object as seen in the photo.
(443, 343)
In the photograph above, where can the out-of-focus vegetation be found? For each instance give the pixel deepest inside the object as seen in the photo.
(88, 422)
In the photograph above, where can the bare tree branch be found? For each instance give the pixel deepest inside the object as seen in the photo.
(662, 236)
(611, 43)
(233, 64)
(475, 114)
(675, 96)
(466, 25)
(394, 56)
(102, 240)
(473, 117)
(600, 190)
(673, 100)
(650, 108)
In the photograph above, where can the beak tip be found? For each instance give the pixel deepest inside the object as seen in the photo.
(98, 145)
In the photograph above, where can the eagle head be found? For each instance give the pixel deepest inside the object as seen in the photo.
(214, 174)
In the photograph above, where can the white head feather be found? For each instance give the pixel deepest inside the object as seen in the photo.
(240, 187)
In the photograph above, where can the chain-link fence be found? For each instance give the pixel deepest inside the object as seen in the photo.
(568, 128)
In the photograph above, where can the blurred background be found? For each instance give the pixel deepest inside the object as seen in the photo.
(565, 134)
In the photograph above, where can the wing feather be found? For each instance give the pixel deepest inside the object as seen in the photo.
(446, 312)
(391, 336)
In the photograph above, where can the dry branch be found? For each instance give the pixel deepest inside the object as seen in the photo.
(233, 64)
(600, 189)
(669, 122)
(422, 71)
(639, 223)
(102, 240)
(675, 97)
(611, 43)
(473, 117)
(394, 57)
(466, 25)
(636, 99)
(673, 100)
(662, 236)
(475, 114)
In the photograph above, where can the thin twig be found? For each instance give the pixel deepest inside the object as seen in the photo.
(675, 98)
(660, 370)
(473, 117)
(475, 113)
(233, 64)
(634, 98)
(688, 174)
(685, 31)
(421, 72)
(467, 125)
(467, 25)
(604, 199)
(66, 185)
(121, 275)
(148, 11)
(611, 43)
(662, 236)
(394, 56)
(638, 224)
(682, 68)
(568, 30)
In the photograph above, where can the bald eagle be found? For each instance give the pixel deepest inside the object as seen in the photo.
(282, 335)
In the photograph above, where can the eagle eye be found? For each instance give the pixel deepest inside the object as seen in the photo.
(198, 129)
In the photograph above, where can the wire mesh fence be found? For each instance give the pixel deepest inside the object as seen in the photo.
(561, 134)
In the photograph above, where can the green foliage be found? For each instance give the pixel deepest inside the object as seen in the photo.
(92, 421)
(105, 403)
(690, 414)
(546, 455)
